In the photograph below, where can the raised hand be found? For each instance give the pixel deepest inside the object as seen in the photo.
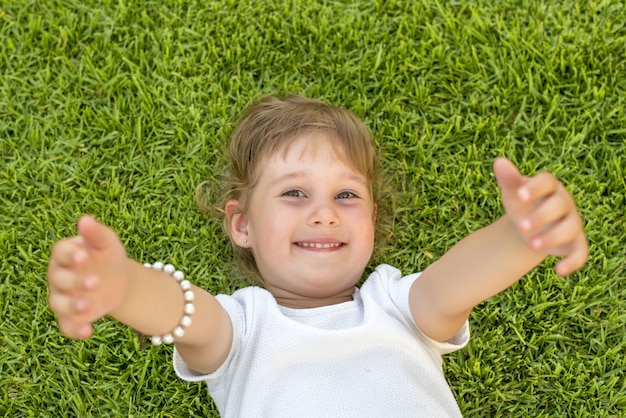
(87, 277)
(545, 215)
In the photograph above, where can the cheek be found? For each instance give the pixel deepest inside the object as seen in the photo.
(365, 227)
(271, 227)
(365, 218)
(372, 229)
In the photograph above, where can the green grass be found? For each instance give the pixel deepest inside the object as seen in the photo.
(119, 109)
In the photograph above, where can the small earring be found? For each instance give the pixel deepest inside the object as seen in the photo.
(245, 241)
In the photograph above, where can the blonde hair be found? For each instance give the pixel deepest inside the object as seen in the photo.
(270, 126)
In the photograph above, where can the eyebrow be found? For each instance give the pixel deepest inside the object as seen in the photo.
(297, 174)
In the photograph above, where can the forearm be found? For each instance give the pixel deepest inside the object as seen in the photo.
(481, 265)
(476, 268)
(154, 303)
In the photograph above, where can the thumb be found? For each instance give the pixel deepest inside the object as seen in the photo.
(95, 234)
(507, 175)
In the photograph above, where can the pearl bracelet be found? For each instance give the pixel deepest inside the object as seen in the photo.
(189, 308)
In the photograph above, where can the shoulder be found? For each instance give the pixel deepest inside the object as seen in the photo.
(245, 304)
(388, 288)
(246, 308)
(389, 280)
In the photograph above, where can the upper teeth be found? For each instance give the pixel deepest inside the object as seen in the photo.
(319, 245)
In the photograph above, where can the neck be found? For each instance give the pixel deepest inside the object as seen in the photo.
(297, 301)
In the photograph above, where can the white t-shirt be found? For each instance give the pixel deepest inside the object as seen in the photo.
(362, 358)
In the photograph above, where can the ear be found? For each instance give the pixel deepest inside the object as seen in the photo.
(237, 223)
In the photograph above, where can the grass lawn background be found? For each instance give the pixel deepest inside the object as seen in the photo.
(120, 109)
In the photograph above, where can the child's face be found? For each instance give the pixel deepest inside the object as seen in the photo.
(310, 224)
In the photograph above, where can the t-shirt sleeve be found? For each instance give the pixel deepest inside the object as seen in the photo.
(235, 311)
(398, 289)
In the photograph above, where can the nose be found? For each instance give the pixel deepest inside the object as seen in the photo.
(324, 215)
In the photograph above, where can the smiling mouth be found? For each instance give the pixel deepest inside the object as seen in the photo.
(319, 245)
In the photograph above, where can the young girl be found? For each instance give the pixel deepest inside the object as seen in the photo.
(301, 211)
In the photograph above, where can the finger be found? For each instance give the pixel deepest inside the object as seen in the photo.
(64, 304)
(576, 259)
(78, 310)
(539, 186)
(507, 175)
(96, 235)
(73, 329)
(558, 236)
(68, 252)
(63, 280)
(68, 280)
(550, 210)
(59, 303)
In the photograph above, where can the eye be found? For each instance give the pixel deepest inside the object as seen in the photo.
(293, 193)
(346, 195)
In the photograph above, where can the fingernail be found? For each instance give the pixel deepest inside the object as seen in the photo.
(90, 282)
(79, 257)
(523, 193)
(524, 224)
(81, 304)
(84, 331)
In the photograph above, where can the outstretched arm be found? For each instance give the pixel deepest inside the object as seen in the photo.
(541, 219)
(90, 276)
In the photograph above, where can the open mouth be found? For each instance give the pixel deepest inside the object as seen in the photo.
(319, 245)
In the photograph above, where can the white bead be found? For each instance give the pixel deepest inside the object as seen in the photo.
(189, 307)
(185, 321)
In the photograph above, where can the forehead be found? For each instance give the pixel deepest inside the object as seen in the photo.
(312, 145)
(304, 158)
